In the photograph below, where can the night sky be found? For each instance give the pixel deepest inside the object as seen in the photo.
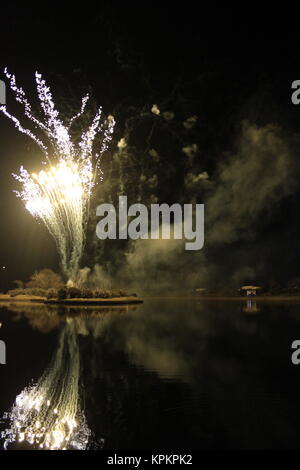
(232, 69)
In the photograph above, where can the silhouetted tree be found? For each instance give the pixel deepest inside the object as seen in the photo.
(45, 279)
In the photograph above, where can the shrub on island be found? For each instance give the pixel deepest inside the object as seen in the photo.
(69, 293)
(84, 293)
(33, 291)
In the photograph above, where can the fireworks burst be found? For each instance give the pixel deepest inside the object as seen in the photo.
(59, 194)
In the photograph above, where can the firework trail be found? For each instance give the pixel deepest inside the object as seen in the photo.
(59, 194)
(48, 415)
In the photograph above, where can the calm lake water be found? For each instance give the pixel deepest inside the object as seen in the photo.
(177, 374)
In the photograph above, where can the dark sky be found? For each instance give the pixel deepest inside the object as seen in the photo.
(233, 64)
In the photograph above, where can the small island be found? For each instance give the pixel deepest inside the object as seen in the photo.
(47, 287)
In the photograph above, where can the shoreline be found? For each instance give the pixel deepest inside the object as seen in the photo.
(129, 300)
(266, 298)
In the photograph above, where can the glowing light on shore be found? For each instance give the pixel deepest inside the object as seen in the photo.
(59, 194)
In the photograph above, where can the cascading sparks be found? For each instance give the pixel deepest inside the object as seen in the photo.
(59, 198)
(48, 415)
(59, 194)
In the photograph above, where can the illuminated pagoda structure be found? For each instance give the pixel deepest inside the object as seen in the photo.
(251, 291)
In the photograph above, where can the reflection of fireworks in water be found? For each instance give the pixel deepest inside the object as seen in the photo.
(60, 195)
(48, 414)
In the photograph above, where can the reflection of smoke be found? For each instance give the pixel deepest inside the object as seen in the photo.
(48, 415)
(45, 318)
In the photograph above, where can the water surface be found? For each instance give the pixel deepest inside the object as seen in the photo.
(170, 373)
